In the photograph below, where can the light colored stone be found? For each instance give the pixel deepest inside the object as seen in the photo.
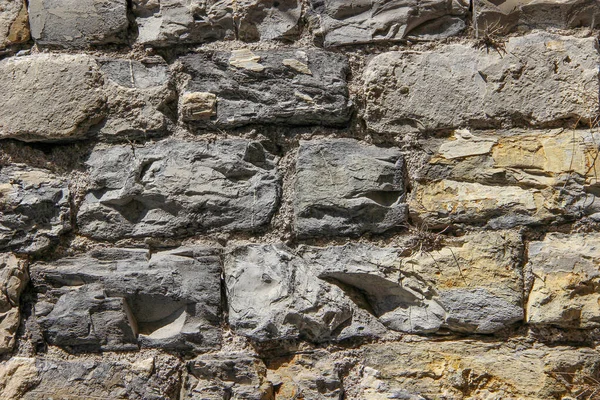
(297, 65)
(78, 23)
(14, 24)
(13, 278)
(465, 145)
(564, 272)
(198, 106)
(49, 97)
(363, 21)
(538, 80)
(17, 376)
(245, 59)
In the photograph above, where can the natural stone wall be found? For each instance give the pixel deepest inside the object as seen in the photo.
(299, 199)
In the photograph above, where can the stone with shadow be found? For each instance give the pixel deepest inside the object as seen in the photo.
(123, 299)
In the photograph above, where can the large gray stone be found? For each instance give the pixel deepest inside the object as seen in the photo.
(275, 295)
(179, 188)
(78, 23)
(265, 87)
(170, 22)
(13, 278)
(538, 80)
(139, 98)
(121, 299)
(34, 208)
(50, 97)
(344, 187)
(499, 17)
(14, 26)
(356, 22)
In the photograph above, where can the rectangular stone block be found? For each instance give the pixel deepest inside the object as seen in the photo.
(536, 80)
(344, 187)
(178, 188)
(564, 272)
(359, 22)
(123, 299)
(78, 23)
(284, 87)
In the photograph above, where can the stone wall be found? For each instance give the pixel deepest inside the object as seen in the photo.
(299, 199)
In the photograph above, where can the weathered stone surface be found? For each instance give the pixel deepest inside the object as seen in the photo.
(498, 17)
(156, 378)
(312, 376)
(119, 299)
(78, 23)
(13, 278)
(163, 23)
(14, 24)
(49, 97)
(269, 87)
(539, 80)
(473, 284)
(139, 98)
(471, 370)
(34, 208)
(179, 188)
(231, 375)
(275, 295)
(344, 187)
(564, 273)
(508, 178)
(363, 21)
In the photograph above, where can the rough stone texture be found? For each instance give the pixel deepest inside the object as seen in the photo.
(34, 208)
(343, 187)
(78, 23)
(43, 100)
(473, 284)
(231, 375)
(179, 188)
(155, 377)
(13, 278)
(270, 87)
(164, 23)
(14, 24)
(274, 295)
(119, 299)
(139, 98)
(498, 17)
(564, 274)
(535, 80)
(508, 178)
(358, 22)
(472, 369)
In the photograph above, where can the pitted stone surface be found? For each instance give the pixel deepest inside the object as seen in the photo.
(122, 299)
(34, 208)
(343, 187)
(359, 22)
(270, 87)
(177, 188)
(537, 80)
(78, 23)
(48, 97)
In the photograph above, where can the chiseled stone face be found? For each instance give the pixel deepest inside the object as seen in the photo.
(78, 23)
(34, 208)
(564, 270)
(357, 22)
(14, 24)
(122, 299)
(177, 188)
(48, 97)
(288, 87)
(344, 187)
(13, 278)
(538, 80)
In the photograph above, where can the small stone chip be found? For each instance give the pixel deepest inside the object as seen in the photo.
(246, 59)
(197, 106)
(297, 65)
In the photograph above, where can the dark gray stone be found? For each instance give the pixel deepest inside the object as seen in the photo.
(268, 87)
(177, 188)
(122, 299)
(78, 23)
(344, 187)
(34, 208)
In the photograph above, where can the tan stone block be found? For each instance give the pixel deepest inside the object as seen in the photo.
(197, 106)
